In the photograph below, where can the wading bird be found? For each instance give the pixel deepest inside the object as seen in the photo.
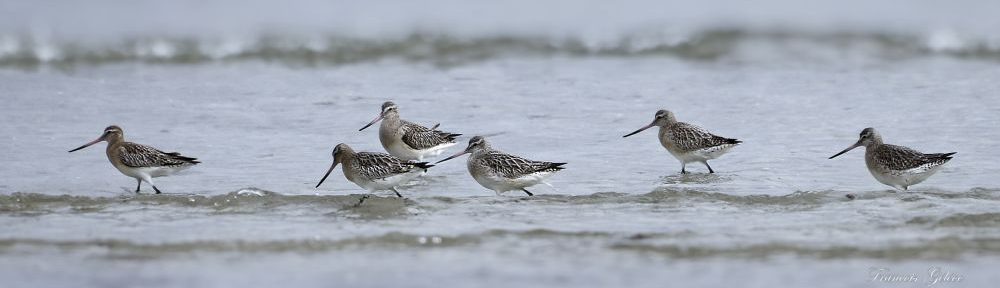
(503, 172)
(374, 171)
(140, 161)
(896, 166)
(688, 143)
(408, 140)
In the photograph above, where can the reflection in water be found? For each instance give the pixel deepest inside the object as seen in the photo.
(695, 178)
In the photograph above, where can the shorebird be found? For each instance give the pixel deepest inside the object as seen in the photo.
(407, 140)
(374, 171)
(896, 166)
(503, 172)
(688, 143)
(140, 161)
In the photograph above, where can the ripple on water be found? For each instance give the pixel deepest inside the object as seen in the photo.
(661, 244)
(252, 200)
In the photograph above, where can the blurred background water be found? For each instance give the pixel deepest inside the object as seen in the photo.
(261, 91)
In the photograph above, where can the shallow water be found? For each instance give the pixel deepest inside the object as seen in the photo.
(263, 108)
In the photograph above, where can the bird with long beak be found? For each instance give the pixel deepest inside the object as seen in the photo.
(896, 166)
(503, 172)
(688, 143)
(140, 161)
(374, 171)
(408, 140)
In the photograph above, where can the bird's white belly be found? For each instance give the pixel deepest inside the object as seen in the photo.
(152, 172)
(699, 155)
(388, 183)
(399, 149)
(904, 178)
(887, 178)
(501, 184)
(713, 152)
(435, 151)
(688, 157)
(671, 147)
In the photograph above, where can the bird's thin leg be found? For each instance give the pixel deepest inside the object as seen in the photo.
(526, 191)
(709, 167)
(150, 181)
(137, 185)
(683, 165)
(397, 192)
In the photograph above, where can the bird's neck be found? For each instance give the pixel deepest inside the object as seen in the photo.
(391, 116)
(115, 142)
(391, 121)
(482, 151)
(876, 141)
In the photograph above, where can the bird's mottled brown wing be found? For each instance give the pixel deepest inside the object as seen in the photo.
(138, 155)
(690, 137)
(510, 166)
(381, 165)
(897, 157)
(420, 137)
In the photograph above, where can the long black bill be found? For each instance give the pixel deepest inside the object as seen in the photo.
(856, 145)
(327, 174)
(452, 156)
(640, 130)
(99, 139)
(373, 122)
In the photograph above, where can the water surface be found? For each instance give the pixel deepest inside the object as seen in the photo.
(262, 102)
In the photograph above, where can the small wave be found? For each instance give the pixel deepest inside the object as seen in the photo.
(941, 248)
(797, 198)
(252, 200)
(384, 241)
(441, 50)
(975, 193)
(244, 200)
(448, 50)
(959, 220)
(971, 220)
(136, 250)
(663, 195)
